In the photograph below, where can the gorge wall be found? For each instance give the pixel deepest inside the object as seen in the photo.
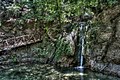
(105, 56)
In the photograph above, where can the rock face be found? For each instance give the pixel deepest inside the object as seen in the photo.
(106, 50)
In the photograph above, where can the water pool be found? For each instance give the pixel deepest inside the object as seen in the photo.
(37, 71)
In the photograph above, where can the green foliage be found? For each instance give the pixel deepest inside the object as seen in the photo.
(44, 49)
(94, 33)
(48, 49)
(52, 10)
(62, 48)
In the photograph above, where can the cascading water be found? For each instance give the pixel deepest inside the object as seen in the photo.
(81, 46)
(83, 28)
(82, 41)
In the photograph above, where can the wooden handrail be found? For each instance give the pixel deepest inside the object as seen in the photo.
(18, 41)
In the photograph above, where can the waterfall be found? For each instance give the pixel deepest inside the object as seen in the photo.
(81, 46)
(83, 28)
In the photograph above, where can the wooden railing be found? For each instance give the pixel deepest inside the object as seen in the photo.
(18, 41)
